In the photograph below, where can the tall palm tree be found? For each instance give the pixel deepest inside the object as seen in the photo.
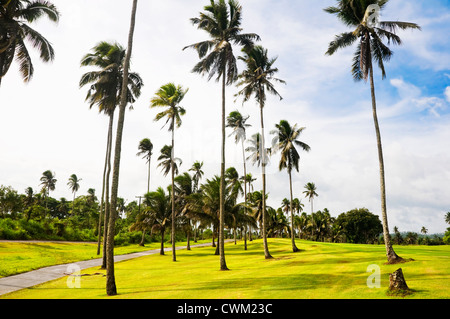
(198, 173)
(256, 79)
(74, 185)
(145, 150)
(170, 97)
(15, 17)
(286, 138)
(369, 33)
(105, 87)
(310, 193)
(447, 218)
(111, 288)
(238, 123)
(48, 182)
(222, 21)
(185, 187)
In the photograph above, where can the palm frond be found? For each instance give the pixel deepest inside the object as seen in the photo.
(34, 10)
(39, 42)
(380, 53)
(23, 58)
(393, 25)
(341, 41)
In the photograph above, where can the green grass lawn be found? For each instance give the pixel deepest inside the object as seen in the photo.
(319, 270)
(19, 257)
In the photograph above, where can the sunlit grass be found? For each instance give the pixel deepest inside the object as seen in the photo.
(320, 270)
(19, 257)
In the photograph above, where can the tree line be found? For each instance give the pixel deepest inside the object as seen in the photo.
(38, 216)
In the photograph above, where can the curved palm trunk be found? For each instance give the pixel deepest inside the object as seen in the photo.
(390, 253)
(263, 152)
(102, 203)
(223, 264)
(174, 257)
(107, 198)
(245, 192)
(111, 289)
(294, 247)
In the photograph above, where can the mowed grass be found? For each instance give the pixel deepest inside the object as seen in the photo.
(18, 257)
(319, 270)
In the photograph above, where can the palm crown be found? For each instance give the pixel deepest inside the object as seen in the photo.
(357, 14)
(170, 96)
(222, 22)
(238, 123)
(14, 30)
(257, 78)
(106, 82)
(285, 140)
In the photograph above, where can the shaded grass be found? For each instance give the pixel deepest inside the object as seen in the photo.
(320, 270)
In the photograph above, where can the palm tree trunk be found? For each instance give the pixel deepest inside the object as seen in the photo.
(245, 191)
(102, 202)
(223, 264)
(391, 255)
(174, 257)
(107, 198)
(294, 247)
(245, 237)
(111, 289)
(263, 152)
(148, 180)
(188, 237)
(161, 252)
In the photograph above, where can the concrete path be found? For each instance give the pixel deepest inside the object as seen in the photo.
(39, 276)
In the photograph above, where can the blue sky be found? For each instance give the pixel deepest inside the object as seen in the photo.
(47, 125)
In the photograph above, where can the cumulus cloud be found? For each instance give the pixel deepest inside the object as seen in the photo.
(412, 100)
(447, 93)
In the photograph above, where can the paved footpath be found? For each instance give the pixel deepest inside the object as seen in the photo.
(39, 276)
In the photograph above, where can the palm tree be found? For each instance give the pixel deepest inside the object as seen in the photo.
(105, 87)
(424, 230)
(185, 187)
(370, 34)
(310, 193)
(74, 185)
(222, 22)
(297, 205)
(145, 150)
(198, 173)
(48, 182)
(15, 15)
(256, 79)
(111, 289)
(447, 218)
(158, 212)
(285, 140)
(238, 123)
(170, 97)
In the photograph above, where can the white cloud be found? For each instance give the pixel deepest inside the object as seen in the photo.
(413, 101)
(447, 93)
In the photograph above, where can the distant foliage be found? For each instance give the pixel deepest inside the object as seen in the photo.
(360, 226)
